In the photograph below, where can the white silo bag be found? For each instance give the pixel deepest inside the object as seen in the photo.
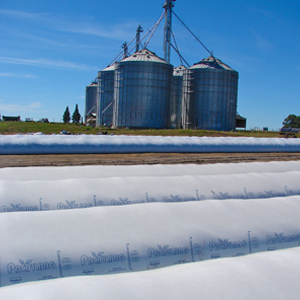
(107, 240)
(55, 173)
(259, 276)
(115, 191)
(72, 144)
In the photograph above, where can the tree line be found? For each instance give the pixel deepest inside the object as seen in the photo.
(75, 117)
(292, 121)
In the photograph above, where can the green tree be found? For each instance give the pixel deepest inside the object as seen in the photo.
(66, 115)
(76, 115)
(288, 121)
(292, 121)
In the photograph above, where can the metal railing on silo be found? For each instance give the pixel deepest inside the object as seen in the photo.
(176, 98)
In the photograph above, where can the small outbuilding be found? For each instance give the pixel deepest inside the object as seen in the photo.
(240, 122)
(11, 118)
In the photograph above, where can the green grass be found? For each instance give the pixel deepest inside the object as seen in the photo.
(49, 128)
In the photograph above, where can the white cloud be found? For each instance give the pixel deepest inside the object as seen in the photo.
(120, 31)
(17, 75)
(15, 108)
(261, 42)
(59, 23)
(48, 42)
(35, 105)
(23, 14)
(268, 14)
(46, 63)
(7, 75)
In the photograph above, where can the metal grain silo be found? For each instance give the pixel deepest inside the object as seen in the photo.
(210, 96)
(105, 96)
(143, 84)
(176, 99)
(90, 100)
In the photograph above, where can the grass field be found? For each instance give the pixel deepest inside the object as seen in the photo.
(49, 128)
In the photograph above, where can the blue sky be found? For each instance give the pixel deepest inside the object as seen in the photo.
(50, 50)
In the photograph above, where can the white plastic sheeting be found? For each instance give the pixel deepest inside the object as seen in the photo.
(56, 173)
(86, 192)
(56, 244)
(50, 144)
(259, 276)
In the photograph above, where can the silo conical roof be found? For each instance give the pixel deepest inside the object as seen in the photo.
(93, 83)
(107, 69)
(110, 68)
(144, 55)
(178, 71)
(211, 63)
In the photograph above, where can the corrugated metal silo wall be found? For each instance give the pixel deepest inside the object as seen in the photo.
(142, 94)
(210, 99)
(105, 97)
(90, 99)
(175, 106)
(188, 113)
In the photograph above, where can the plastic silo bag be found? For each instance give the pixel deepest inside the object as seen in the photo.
(55, 173)
(115, 191)
(56, 244)
(51, 144)
(259, 276)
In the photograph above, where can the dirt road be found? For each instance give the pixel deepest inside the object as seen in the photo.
(141, 158)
